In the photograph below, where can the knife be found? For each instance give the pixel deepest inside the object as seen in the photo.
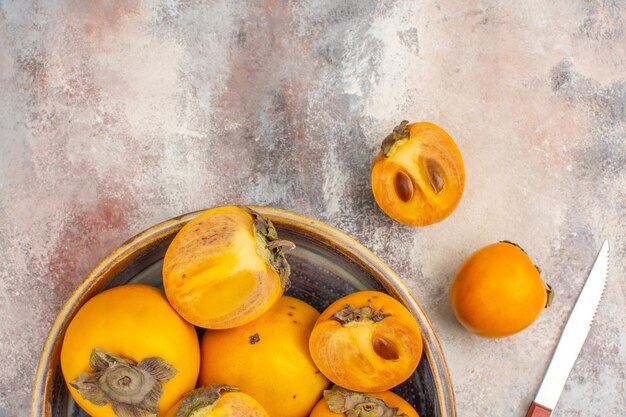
(573, 338)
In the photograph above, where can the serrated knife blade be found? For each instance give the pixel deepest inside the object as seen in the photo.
(573, 337)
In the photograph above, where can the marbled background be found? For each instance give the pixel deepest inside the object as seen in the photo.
(118, 114)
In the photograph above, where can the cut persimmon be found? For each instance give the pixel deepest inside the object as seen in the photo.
(342, 402)
(217, 401)
(418, 176)
(225, 268)
(366, 341)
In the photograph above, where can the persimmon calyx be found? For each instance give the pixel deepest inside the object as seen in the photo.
(520, 248)
(271, 247)
(398, 136)
(550, 292)
(133, 389)
(357, 404)
(202, 399)
(350, 315)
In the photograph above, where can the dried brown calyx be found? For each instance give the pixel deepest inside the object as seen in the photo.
(550, 296)
(549, 290)
(271, 247)
(357, 404)
(398, 136)
(348, 315)
(202, 399)
(133, 389)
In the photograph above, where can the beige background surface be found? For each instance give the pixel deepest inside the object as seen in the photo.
(118, 114)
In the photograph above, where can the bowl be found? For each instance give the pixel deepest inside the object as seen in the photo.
(326, 264)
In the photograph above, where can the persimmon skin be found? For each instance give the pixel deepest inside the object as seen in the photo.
(368, 356)
(136, 322)
(497, 291)
(391, 399)
(214, 274)
(268, 358)
(421, 180)
(230, 404)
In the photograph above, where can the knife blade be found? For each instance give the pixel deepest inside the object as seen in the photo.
(573, 337)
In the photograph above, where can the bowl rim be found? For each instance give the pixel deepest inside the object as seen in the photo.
(310, 227)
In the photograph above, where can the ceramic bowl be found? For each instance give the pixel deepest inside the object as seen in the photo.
(326, 265)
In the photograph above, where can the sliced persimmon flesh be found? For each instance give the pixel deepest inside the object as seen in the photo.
(225, 268)
(418, 176)
(367, 342)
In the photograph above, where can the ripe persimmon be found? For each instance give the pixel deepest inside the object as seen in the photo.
(418, 176)
(366, 341)
(498, 291)
(127, 349)
(342, 402)
(268, 359)
(217, 401)
(225, 268)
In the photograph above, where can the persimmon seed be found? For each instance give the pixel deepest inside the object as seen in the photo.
(385, 349)
(403, 186)
(434, 175)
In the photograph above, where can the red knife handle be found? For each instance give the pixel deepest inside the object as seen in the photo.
(538, 410)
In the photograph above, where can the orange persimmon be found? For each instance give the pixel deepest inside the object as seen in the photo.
(217, 401)
(498, 291)
(268, 358)
(341, 402)
(418, 176)
(225, 268)
(127, 348)
(366, 341)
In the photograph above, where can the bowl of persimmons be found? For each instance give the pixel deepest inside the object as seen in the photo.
(242, 311)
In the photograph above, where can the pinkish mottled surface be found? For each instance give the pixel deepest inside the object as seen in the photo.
(115, 115)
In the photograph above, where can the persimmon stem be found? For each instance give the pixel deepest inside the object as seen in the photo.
(285, 245)
(271, 247)
(133, 389)
(357, 404)
(399, 133)
(550, 292)
(201, 399)
(348, 315)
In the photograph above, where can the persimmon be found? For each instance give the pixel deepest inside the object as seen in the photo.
(225, 268)
(268, 359)
(498, 291)
(342, 402)
(418, 176)
(127, 352)
(217, 401)
(366, 341)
